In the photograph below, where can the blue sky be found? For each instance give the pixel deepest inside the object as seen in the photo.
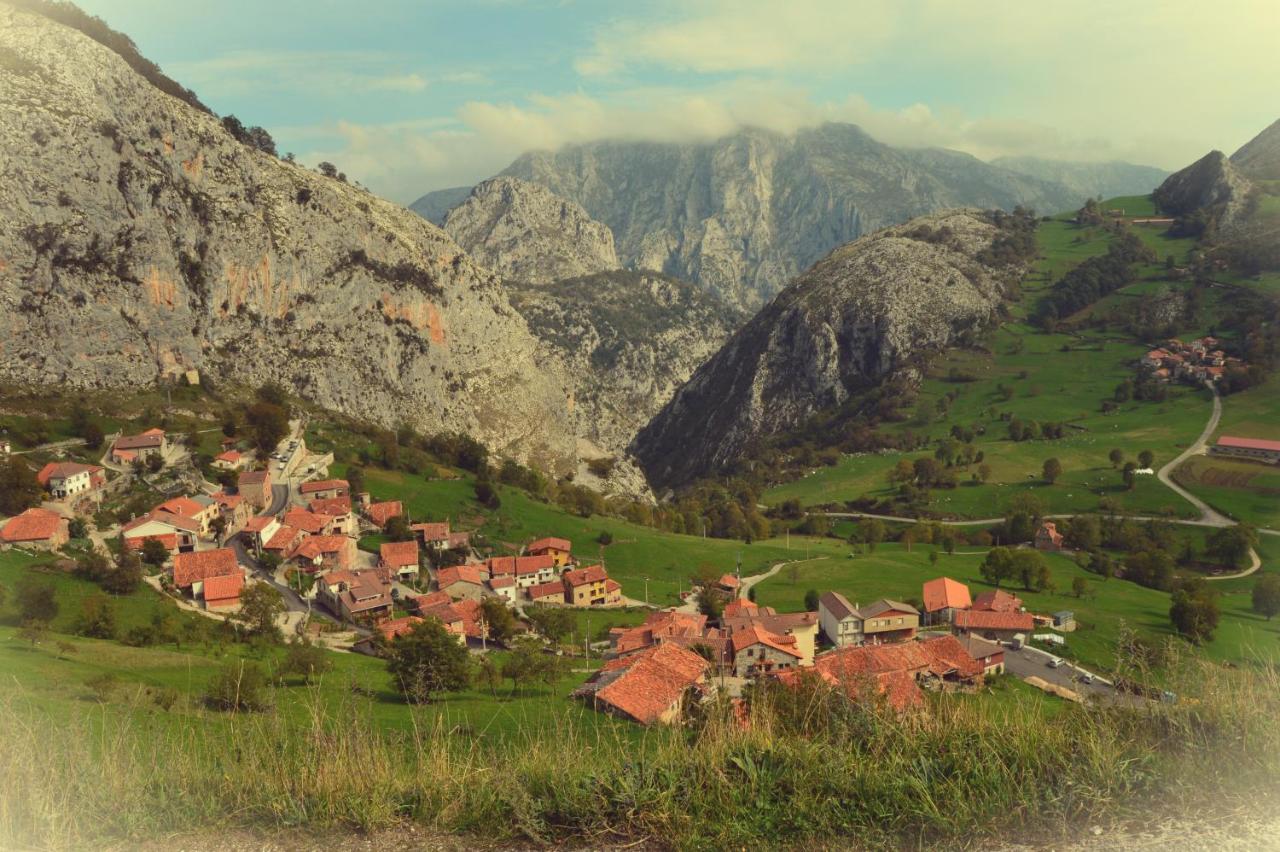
(412, 96)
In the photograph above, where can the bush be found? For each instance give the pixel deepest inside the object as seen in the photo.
(239, 686)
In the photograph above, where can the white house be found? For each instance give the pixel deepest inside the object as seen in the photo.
(840, 621)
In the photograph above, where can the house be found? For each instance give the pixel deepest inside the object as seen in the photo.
(557, 548)
(650, 687)
(897, 671)
(527, 570)
(1048, 537)
(429, 599)
(1252, 449)
(37, 528)
(1064, 621)
(989, 624)
(997, 600)
(753, 650)
(130, 448)
(255, 486)
(229, 460)
(259, 529)
(658, 627)
(505, 588)
(586, 586)
(546, 593)
(222, 592)
(338, 509)
(64, 480)
(612, 593)
(381, 513)
(178, 533)
(323, 488)
(989, 654)
(462, 581)
(942, 598)
(358, 596)
(799, 630)
(311, 523)
(200, 508)
(400, 558)
(283, 541)
(324, 552)
(882, 621)
(729, 583)
(452, 616)
(192, 570)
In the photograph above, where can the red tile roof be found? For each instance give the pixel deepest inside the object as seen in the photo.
(323, 485)
(981, 619)
(190, 568)
(229, 501)
(380, 513)
(231, 456)
(644, 685)
(169, 540)
(283, 538)
(944, 593)
(657, 627)
(34, 524)
(333, 506)
(743, 606)
(63, 470)
(397, 627)
(258, 523)
(253, 477)
(997, 600)
(148, 439)
(398, 554)
(550, 543)
(504, 582)
(1248, 443)
(446, 577)
(223, 588)
(319, 545)
(547, 590)
(520, 565)
(309, 522)
(753, 634)
(583, 576)
(183, 507)
(167, 518)
(728, 581)
(429, 599)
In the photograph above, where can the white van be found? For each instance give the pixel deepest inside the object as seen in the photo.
(1054, 662)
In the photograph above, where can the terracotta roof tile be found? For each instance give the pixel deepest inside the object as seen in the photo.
(199, 565)
(997, 600)
(323, 485)
(644, 685)
(550, 543)
(398, 554)
(944, 593)
(982, 619)
(223, 588)
(583, 576)
(546, 590)
(380, 513)
(34, 524)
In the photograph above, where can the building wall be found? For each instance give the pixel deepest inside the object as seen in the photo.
(1266, 456)
(749, 661)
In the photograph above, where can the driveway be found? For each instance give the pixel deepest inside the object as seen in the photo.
(1032, 662)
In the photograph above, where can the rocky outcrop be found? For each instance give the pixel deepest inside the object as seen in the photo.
(629, 339)
(1088, 180)
(138, 240)
(1259, 158)
(744, 214)
(1210, 184)
(867, 312)
(435, 206)
(524, 232)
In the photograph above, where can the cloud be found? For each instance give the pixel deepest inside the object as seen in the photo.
(239, 74)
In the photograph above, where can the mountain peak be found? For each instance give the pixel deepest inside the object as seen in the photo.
(1259, 158)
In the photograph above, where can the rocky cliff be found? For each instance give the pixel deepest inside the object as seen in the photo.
(743, 215)
(525, 233)
(866, 312)
(138, 239)
(1211, 184)
(1259, 158)
(1088, 180)
(435, 206)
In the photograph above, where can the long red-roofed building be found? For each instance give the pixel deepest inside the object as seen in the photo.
(990, 624)
(1253, 449)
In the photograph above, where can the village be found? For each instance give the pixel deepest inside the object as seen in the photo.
(286, 526)
(1197, 362)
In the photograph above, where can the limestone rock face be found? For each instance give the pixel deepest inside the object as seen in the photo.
(435, 206)
(1210, 183)
(1259, 158)
(743, 215)
(865, 313)
(525, 233)
(139, 240)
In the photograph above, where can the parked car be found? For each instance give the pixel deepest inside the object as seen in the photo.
(1054, 662)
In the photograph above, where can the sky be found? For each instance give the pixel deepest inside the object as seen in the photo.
(408, 97)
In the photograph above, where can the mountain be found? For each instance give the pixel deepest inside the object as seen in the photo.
(434, 206)
(1088, 180)
(744, 214)
(1259, 158)
(139, 240)
(524, 232)
(866, 313)
(1211, 185)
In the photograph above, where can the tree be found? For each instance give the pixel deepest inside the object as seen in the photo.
(527, 662)
(154, 552)
(239, 686)
(327, 169)
(488, 674)
(1195, 612)
(1266, 596)
(397, 528)
(1030, 567)
(34, 631)
(1116, 457)
(260, 606)
(305, 660)
(487, 495)
(872, 532)
(933, 556)
(19, 489)
(126, 576)
(155, 463)
(355, 479)
(268, 425)
(810, 600)
(427, 661)
(499, 619)
(1129, 475)
(1146, 458)
(1079, 586)
(92, 434)
(710, 603)
(1083, 532)
(218, 526)
(97, 617)
(1052, 470)
(36, 600)
(555, 623)
(984, 472)
(1232, 544)
(4, 594)
(997, 566)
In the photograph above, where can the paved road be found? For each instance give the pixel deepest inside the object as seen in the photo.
(1208, 515)
(1032, 662)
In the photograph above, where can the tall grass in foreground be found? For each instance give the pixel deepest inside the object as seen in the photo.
(805, 766)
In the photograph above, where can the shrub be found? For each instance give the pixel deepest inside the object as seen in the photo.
(239, 686)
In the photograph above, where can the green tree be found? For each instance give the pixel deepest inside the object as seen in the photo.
(488, 674)
(1146, 459)
(37, 601)
(1129, 475)
(1052, 470)
(998, 566)
(305, 660)
(498, 618)
(710, 603)
(34, 631)
(97, 617)
(1195, 612)
(810, 600)
(397, 528)
(427, 661)
(1266, 596)
(355, 480)
(154, 552)
(126, 576)
(984, 472)
(268, 425)
(77, 528)
(1116, 457)
(1079, 586)
(260, 606)
(524, 663)
(19, 489)
(555, 623)
(239, 686)
(1231, 545)
(872, 532)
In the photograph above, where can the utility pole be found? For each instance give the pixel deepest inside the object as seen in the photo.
(646, 591)
(586, 640)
